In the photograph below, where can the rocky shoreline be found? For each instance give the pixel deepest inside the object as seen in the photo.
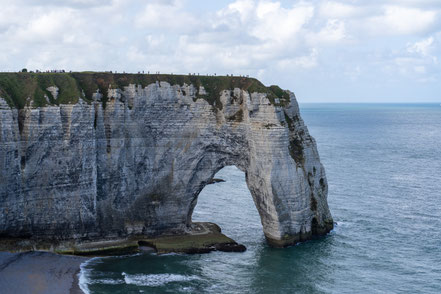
(43, 266)
(202, 238)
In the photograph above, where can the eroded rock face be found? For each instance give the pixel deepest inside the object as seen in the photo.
(138, 165)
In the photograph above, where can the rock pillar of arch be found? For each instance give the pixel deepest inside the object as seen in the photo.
(272, 145)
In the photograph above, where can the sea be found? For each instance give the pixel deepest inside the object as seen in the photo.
(383, 164)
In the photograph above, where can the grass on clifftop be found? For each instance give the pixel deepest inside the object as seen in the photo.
(20, 88)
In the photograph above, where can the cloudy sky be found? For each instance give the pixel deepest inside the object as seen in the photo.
(324, 51)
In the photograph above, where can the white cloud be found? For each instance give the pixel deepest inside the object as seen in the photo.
(333, 31)
(243, 8)
(424, 54)
(155, 41)
(265, 20)
(321, 40)
(46, 26)
(307, 61)
(279, 24)
(136, 55)
(423, 47)
(167, 15)
(397, 20)
(67, 3)
(417, 61)
(333, 9)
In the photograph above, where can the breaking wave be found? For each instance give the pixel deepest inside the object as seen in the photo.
(154, 280)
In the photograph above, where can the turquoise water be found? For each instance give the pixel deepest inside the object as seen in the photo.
(383, 164)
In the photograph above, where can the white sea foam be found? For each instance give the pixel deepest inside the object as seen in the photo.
(83, 276)
(172, 254)
(108, 281)
(154, 280)
(124, 256)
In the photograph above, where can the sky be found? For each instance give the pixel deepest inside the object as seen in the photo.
(323, 51)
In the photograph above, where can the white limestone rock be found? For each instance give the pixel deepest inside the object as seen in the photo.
(138, 165)
(202, 91)
(54, 91)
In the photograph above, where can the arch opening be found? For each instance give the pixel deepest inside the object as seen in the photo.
(227, 202)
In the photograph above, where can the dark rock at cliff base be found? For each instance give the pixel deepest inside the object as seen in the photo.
(202, 237)
(205, 237)
(214, 181)
(230, 247)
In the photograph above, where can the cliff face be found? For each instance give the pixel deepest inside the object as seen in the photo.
(134, 160)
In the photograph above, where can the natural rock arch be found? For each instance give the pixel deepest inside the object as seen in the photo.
(137, 165)
(228, 202)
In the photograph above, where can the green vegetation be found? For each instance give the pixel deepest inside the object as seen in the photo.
(19, 89)
(15, 88)
(279, 93)
(119, 248)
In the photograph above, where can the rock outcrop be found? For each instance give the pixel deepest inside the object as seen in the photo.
(130, 160)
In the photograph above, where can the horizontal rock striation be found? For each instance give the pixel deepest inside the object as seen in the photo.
(112, 160)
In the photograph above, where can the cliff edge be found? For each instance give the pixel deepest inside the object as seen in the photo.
(94, 156)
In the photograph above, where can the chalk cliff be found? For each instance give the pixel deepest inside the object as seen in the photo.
(100, 155)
